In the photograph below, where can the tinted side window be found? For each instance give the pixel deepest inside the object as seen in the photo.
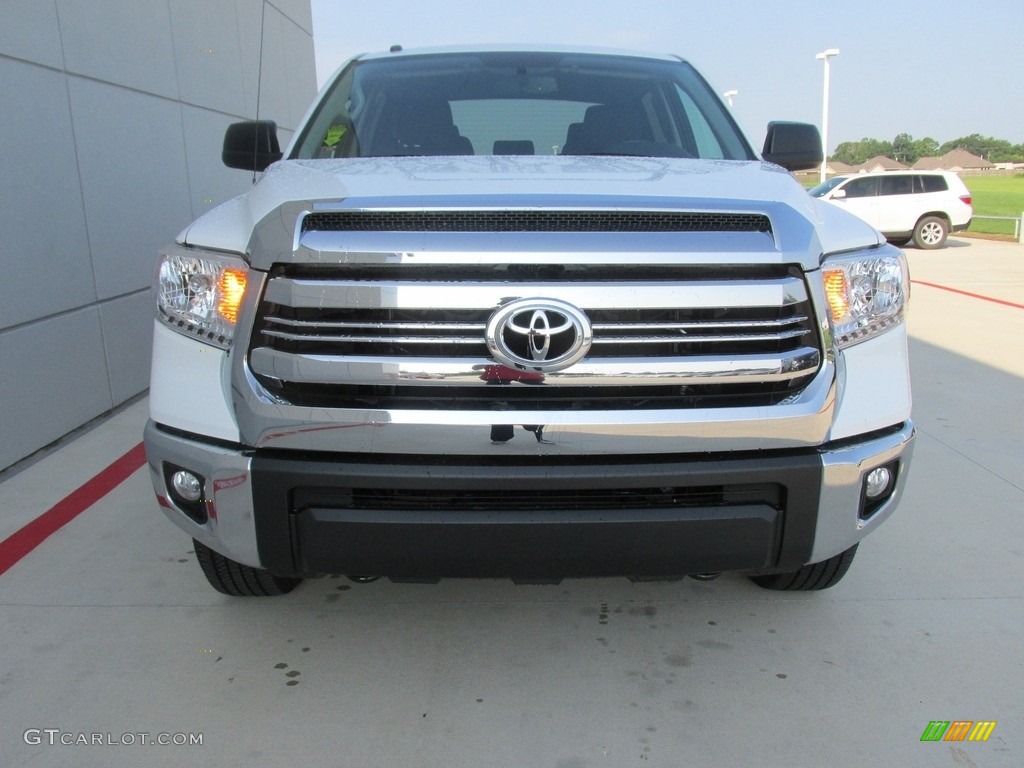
(897, 185)
(862, 188)
(930, 184)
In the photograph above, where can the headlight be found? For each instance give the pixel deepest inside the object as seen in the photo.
(866, 293)
(199, 294)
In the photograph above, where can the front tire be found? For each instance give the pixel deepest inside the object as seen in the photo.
(237, 580)
(813, 576)
(930, 233)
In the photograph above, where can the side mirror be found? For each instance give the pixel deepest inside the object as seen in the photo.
(251, 146)
(839, 194)
(794, 146)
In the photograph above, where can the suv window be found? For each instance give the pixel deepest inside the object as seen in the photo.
(897, 185)
(521, 103)
(867, 187)
(823, 189)
(930, 183)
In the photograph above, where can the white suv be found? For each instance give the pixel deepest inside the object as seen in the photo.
(921, 205)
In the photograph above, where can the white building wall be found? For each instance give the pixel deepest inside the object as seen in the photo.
(111, 127)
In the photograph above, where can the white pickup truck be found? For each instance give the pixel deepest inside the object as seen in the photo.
(527, 313)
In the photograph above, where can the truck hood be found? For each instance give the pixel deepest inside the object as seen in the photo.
(537, 181)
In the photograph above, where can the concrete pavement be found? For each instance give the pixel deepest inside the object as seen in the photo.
(109, 627)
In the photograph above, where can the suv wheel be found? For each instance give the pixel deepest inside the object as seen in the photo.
(813, 576)
(232, 578)
(930, 232)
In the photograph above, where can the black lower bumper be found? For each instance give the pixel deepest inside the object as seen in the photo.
(535, 520)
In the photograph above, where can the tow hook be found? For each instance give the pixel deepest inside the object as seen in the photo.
(705, 576)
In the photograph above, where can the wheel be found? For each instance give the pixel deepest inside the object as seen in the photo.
(930, 232)
(810, 577)
(232, 578)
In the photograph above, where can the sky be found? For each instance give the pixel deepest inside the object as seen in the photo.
(937, 68)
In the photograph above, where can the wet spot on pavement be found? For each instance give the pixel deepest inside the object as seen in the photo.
(682, 658)
(714, 645)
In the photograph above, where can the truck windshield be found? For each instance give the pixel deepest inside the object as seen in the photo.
(521, 104)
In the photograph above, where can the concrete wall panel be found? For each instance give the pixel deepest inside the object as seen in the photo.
(127, 341)
(299, 72)
(112, 121)
(131, 152)
(44, 250)
(288, 79)
(127, 42)
(212, 183)
(208, 55)
(299, 12)
(28, 30)
(55, 378)
(248, 15)
(275, 102)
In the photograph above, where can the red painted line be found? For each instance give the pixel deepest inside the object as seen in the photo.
(23, 541)
(968, 293)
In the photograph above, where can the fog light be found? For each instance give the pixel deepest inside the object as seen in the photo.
(878, 482)
(188, 486)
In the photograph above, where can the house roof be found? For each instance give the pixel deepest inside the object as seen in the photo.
(836, 167)
(880, 163)
(955, 160)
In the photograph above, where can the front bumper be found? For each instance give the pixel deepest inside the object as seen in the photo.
(303, 513)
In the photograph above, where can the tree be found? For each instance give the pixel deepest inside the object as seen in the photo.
(908, 150)
(903, 149)
(926, 147)
(994, 150)
(856, 152)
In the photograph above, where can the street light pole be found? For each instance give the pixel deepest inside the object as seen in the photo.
(825, 56)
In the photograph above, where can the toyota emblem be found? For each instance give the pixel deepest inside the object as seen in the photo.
(538, 334)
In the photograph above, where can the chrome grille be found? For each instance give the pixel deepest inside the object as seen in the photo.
(325, 339)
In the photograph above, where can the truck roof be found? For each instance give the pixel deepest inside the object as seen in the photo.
(518, 48)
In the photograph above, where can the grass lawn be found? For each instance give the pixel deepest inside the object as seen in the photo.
(995, 196)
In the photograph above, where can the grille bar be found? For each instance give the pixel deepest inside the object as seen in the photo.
(324, 294)
(390, 339)
(711, 324)
(755, 337)
(438, 325)
(346, 339)
(425, 373)
(424, 326)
